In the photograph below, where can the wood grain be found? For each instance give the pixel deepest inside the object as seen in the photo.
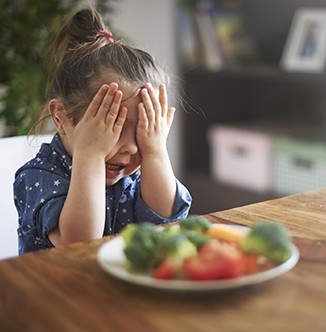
(64, 289)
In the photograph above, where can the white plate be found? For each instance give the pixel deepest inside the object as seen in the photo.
(111, 258)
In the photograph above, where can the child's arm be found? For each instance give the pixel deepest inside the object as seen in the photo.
(89, 142)
(158, 184)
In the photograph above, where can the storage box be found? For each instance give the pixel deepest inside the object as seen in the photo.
(298, 165)
(241, 157)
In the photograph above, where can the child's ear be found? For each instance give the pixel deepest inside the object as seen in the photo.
(56, 107)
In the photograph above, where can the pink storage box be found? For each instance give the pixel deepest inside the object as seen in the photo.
(241, 157)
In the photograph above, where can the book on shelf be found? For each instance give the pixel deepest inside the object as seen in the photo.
(234, 39)
(213, 36)
(186, 36)
(209, 49)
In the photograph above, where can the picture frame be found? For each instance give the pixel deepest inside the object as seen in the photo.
(305, 47)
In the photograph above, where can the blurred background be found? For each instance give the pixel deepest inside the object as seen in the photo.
(250, 87)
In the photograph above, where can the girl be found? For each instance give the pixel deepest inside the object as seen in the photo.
(108, 164)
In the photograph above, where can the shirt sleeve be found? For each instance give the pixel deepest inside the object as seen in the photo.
(39, 197)
(181, 207)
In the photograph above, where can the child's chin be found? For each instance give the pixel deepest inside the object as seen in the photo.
(111, 182)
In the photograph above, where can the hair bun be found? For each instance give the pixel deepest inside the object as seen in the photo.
(84, 26)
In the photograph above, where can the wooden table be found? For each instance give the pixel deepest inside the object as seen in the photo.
(64, 289)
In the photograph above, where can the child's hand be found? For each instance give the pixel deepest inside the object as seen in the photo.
(100, 128)
(158, 185)
(155, 120)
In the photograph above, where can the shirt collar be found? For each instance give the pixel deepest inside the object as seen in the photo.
(58, 148)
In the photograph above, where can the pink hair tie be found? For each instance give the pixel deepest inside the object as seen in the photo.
(108, 35)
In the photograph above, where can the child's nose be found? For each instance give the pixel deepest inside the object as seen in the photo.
(129, 146)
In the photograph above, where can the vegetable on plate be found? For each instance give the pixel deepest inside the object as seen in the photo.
(197, 249)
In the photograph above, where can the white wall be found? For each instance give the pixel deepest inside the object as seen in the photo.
(151, 26)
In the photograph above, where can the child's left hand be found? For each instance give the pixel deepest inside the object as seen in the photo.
(154, 120)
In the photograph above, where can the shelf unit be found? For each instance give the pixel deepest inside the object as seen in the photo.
(261, 95)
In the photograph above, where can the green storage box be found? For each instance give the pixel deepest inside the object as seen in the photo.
(298, 165)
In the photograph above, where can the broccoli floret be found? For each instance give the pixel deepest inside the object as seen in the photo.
(195, 223)
(146, 246)
(128, 232)
(198, 239)
(177, 246)
(141, 241)
(268, 239)
(171, 229)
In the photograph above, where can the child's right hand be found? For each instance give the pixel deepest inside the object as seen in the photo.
(99, 130)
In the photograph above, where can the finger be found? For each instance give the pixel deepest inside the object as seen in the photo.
(163, 99)
(148, 106)
(96, 102)
(121, 119)
(110, 99)
(154, 98)
(112, 111)
(170, 115)
(142, 117)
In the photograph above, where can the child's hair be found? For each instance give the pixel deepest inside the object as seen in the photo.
(88, 57)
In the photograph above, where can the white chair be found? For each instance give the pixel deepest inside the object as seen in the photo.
(14, 152)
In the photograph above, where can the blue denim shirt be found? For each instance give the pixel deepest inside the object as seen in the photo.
(41, 187)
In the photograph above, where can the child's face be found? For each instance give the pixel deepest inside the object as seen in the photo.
(125, 158)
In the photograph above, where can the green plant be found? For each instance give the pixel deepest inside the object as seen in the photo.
(27, 28)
